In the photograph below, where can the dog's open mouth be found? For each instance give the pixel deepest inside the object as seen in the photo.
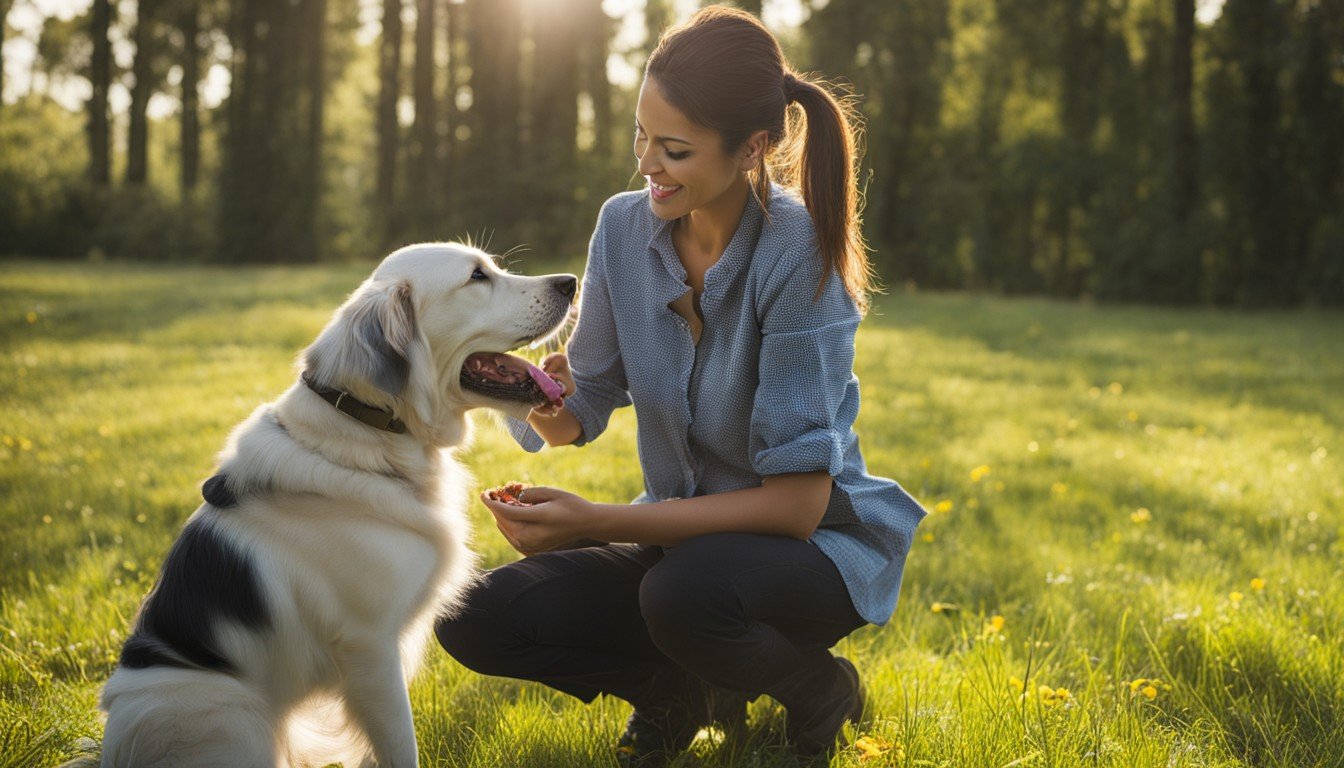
(503, 377)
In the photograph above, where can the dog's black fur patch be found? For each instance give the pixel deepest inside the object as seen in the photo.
(216, 492)
(204, 581)
(142, 651)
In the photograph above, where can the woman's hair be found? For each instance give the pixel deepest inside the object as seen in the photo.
(724, 70)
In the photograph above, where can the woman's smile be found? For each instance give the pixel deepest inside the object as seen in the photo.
(661, 192)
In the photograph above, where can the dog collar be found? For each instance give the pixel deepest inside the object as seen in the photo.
(348, 404)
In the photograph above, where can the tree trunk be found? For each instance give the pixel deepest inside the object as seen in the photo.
(555, 116)
(493, 31)
(4, 14)
(1186, 181)
(388, 133)
(137, 150)
(190, 24)
(599, 87)
(315, 26)
(420, 175)
(452, 35)
(100, 77)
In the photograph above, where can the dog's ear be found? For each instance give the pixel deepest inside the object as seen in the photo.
(372, 340)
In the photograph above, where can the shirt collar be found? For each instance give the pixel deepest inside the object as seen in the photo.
(735, 256)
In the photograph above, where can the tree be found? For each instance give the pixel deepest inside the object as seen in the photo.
(422, 198)
(596, 49)
(5, 5)
(452, 118)
(389, 134)
(1184, 166)
(553, 155)
(494, 39)
(142, 69)
(100, 78)
(270, 175)
(189, 26)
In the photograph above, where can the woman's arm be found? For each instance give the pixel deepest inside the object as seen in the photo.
(560, 429)
(783, 505)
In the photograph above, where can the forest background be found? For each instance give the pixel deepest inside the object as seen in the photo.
(1166, 151)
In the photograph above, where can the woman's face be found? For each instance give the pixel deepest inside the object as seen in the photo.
(683, 162)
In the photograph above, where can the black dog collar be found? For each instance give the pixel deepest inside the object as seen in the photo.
(356, 409)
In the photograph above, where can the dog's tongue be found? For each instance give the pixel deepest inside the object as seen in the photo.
(552, 389)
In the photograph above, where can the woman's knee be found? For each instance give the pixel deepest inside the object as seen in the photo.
(689, 594)
(477, 632)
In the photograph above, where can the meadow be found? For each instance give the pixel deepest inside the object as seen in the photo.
(1133, 556)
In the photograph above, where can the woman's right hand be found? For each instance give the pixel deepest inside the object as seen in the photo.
(556, 365)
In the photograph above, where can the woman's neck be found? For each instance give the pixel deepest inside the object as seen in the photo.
(709, 228)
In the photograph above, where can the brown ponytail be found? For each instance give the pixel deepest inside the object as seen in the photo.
(724, 70)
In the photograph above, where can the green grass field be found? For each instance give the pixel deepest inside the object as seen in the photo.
(1133, 556)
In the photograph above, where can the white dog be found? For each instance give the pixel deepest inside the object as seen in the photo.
(295, 605)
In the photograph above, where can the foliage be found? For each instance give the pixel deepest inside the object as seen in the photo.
(1118, 150)
(1135, 528)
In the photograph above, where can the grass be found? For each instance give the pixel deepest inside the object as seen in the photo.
(1136, 495)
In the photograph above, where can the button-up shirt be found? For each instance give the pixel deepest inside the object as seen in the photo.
(768, 388)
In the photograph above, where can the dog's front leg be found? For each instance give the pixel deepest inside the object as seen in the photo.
(375, 693)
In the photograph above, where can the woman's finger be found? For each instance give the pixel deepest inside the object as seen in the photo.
(539, 493)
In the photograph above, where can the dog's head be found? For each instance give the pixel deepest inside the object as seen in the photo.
(427, 336)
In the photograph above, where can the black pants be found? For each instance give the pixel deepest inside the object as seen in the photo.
(752, 614)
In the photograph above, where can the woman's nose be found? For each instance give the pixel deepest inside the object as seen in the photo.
(647, 166)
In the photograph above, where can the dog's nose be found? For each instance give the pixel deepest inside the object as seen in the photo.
(566, 285)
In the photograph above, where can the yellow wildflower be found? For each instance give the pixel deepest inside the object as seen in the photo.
(1148, 687)
(944, 607)
(928, 537)
(1053, 697)
(1235, 597)
(1059, 489)
(992, 627)
(1141, 516)
(943, 506)
(1016, 684)
(1115, 388)
(872, 747)
(1257, 584)
(979, 473)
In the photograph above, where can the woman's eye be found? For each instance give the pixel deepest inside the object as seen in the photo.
(479, 274)
(677, 155)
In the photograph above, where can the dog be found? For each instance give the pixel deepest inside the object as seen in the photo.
(294, 607)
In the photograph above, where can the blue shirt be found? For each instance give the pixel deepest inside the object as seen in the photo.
(768, 389)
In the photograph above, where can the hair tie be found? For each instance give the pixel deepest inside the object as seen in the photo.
(790, 88)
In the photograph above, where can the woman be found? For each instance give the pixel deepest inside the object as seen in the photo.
(725, 309)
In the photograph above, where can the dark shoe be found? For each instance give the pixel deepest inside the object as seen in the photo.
(813, 734)
(654, 736)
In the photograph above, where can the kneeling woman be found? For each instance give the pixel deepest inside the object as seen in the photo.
(724, 308)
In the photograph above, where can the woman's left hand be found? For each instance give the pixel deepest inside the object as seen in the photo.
(552, 520)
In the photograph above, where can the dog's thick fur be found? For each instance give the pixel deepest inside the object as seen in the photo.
(349, 539)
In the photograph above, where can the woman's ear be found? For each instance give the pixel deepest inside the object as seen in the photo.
(753, 150)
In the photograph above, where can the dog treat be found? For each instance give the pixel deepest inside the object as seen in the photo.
(508, 493)
(553, 389)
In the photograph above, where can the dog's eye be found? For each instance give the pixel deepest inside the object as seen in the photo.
(479, 274)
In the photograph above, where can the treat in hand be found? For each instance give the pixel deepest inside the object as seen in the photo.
(508, 493)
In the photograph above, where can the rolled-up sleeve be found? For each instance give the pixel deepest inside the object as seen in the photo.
(594, 357)
(806, 371)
